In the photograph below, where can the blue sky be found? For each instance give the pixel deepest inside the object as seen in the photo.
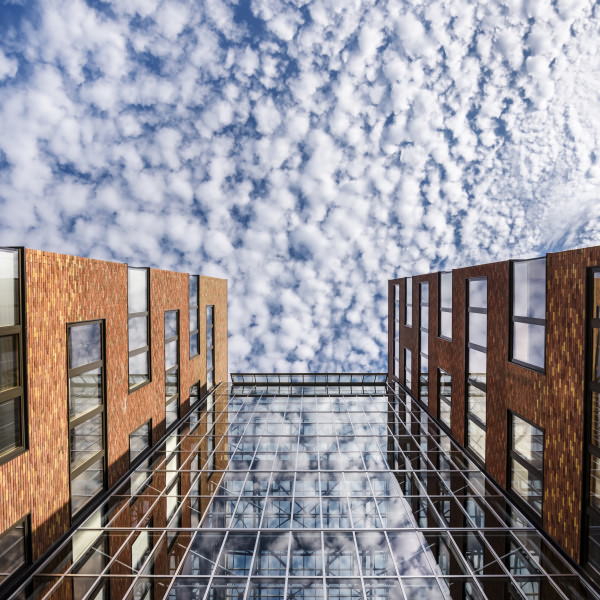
(307, 151)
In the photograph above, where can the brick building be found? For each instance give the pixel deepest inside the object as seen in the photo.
(97, 362)
(505, 356)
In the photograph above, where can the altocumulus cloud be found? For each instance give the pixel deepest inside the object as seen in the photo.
(306, 150)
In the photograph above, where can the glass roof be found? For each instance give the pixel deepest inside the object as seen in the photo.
(303, 495)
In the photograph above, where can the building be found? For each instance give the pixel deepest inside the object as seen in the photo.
(267, 486)
(505, 357)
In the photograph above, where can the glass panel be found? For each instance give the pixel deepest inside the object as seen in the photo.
(12, 550)
(529, 288)
(596, 355)
(445, 412)
(528, 343)
(528, 441)
(595, 482)
(306, 555)
(476, 439)
(424, 342)
(171, 354)
(86, 440)
(445, 383)
(476, 402)
(424, 293)
(193, 344)
(596, 419)
(137, 290)
(194, 319)
(170, 324)
(478, 329)
(446, 290)
(84, 344)
(10, 424)
(527, 485)
(193, 290)
(596, 296)
(139, 440)
(140, 549)
(85, 392)
(478, 293)
(138, 369)
(446, 324)
(86, 485)
(138, 332)
(9, 362)
(477, 365)
(9, 287)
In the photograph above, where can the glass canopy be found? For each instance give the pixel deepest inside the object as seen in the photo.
(297, 489)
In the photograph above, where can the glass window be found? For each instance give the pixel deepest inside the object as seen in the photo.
(407, 368)
(445, 295)
(194, 293)
(408, 301)
(210, 347)
(527, 462)
(424, 343)
(138, 326)
(86, 412)
(139, 441)
(444, 396)
(171, 366)
(13, 549)
(529, 311)
(397, 317)
(10, 313)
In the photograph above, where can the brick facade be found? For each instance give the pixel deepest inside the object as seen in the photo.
(553, 400)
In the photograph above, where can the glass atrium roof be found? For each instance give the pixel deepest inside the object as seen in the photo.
(307, 491)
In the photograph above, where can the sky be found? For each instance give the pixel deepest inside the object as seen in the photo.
(306, 150)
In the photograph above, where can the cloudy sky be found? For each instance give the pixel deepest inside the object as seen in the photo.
(307, 150)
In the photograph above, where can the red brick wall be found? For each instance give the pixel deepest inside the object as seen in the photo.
(64, 289)
(554, 400)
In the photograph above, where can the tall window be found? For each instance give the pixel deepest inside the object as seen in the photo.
(477, 366)
(138, 324)
(397, 318)
(424, 344)
(14, 549)
(171, 366)
(86, 411)
(12, 389)
(407, 368)
(526, 462)
(593, 407)
(445, 298)
(194, 302)
(139, 441)
(444, 396)
(529, 312)
(408, 301)
(210, 347)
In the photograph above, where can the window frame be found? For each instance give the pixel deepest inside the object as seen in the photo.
(100, 409)
(27, 558)
(423, 329)
(512, 454)
(442, 309)
(512, 319)
(210, 349)
(192, 306)
(176, 398)
(19, 391)
(148, 347)
(396, 325)
(409, 363)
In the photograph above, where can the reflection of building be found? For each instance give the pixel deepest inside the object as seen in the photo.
(507, 355)
(97, 362)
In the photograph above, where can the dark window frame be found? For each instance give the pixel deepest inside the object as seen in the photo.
(196, 306)
(20, 391)
(176, 397)
(101, 409)
(148, 347)
(26, 522)
(442, 309)
(513, 454)
(528, 320)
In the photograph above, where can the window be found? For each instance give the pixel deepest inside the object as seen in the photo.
(194, 289)
(408, 301)
(138, 326)
(86, 411)
(444, 396)
(476, 365)
(407, 368)
(171, 366)
(526, 462)
(528, 310)
(12, 389)
(210, 347)
(445, 298)
(424, 343)
(14, 549)
(139, 441)
(397, 329)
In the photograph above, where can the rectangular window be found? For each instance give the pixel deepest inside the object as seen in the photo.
(408, 301)
(407, 368)
(528, 312)
(194, 292)
(86, 411)
(210, 347)
(445, 298)
(171, 366)
(12, 388)
(397, 318)
(476, 365)
(526, 462)
(139, 441)
(424, 343)
(138, 321)
(444, 396)
(14, 549)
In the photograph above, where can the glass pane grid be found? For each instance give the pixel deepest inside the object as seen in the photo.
(314, 496)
